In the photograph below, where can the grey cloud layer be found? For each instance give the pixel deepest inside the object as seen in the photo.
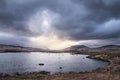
(98, 13)
(13, 40)
(79, 19)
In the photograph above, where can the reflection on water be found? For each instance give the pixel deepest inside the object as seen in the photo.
(52, 62)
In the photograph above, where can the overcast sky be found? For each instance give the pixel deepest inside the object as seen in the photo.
(57, 24)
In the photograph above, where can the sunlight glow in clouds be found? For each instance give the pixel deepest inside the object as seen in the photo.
(52, 42)
(42, 22)
(46, 21)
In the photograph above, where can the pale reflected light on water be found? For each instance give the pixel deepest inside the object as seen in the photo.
(53, 62)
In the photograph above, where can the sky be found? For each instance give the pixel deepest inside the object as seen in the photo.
(57, 24)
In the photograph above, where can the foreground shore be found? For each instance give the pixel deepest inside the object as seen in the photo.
(110, 72)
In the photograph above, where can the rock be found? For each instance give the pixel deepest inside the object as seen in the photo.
(41, 64)
(60, 67)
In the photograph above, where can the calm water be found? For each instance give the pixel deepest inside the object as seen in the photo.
(29, 62)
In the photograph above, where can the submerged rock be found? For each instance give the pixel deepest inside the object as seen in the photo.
(60, 67)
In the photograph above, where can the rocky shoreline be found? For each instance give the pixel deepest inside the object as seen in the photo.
(110, 72)
(98, 58)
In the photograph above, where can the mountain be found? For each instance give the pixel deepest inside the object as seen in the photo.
(109, 47)
(76, 47)
(83, 47)
(13, 48)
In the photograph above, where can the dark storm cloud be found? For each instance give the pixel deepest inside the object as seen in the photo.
(79, 19)
(98, 13)
(15, 14)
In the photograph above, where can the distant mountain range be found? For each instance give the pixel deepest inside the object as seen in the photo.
(76, 47)
(83, 47)
(110, 47)
(13, 48)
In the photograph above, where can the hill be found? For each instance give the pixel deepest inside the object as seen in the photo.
(76, 47)
(109, 47)
(13, 48)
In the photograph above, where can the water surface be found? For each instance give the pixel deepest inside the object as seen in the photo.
(53, 62)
